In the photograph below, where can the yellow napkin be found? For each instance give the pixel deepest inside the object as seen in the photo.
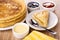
(35, 35)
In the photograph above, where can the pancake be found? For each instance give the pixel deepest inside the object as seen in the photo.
(11, 12)
(13, 18)
(42, 18)
(17, 17)
(7, 24)
(21, 8)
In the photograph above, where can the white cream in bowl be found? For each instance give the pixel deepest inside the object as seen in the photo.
(20, 30)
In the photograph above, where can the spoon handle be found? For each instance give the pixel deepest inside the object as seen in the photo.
(51, 31)
(36, 24)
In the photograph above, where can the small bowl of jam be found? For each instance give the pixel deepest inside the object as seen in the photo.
(49, 6)
(33, 6)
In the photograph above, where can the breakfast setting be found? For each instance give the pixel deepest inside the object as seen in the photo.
(29, 20)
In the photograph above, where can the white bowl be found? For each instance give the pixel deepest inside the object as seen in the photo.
(53, 20)
(33, 9)
(50, 9)
(21, 35)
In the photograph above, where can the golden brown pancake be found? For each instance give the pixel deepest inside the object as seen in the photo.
(7, 24)
(11, 11)
(42, 18)
(3, 21)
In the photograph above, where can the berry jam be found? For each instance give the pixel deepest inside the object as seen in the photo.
(33, 4)
(48, 4)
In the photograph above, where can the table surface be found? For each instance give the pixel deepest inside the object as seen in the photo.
(7, 35)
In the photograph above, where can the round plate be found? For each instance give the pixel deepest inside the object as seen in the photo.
(53, 20)
(10, 27)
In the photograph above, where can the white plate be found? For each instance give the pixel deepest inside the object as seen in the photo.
(53, 20)
(10, 27)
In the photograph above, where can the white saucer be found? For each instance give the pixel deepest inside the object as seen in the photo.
(53, 20)
(10, 27)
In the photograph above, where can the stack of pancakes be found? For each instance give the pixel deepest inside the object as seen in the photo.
(11, 12)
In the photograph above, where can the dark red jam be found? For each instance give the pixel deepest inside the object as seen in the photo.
(48, 4)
